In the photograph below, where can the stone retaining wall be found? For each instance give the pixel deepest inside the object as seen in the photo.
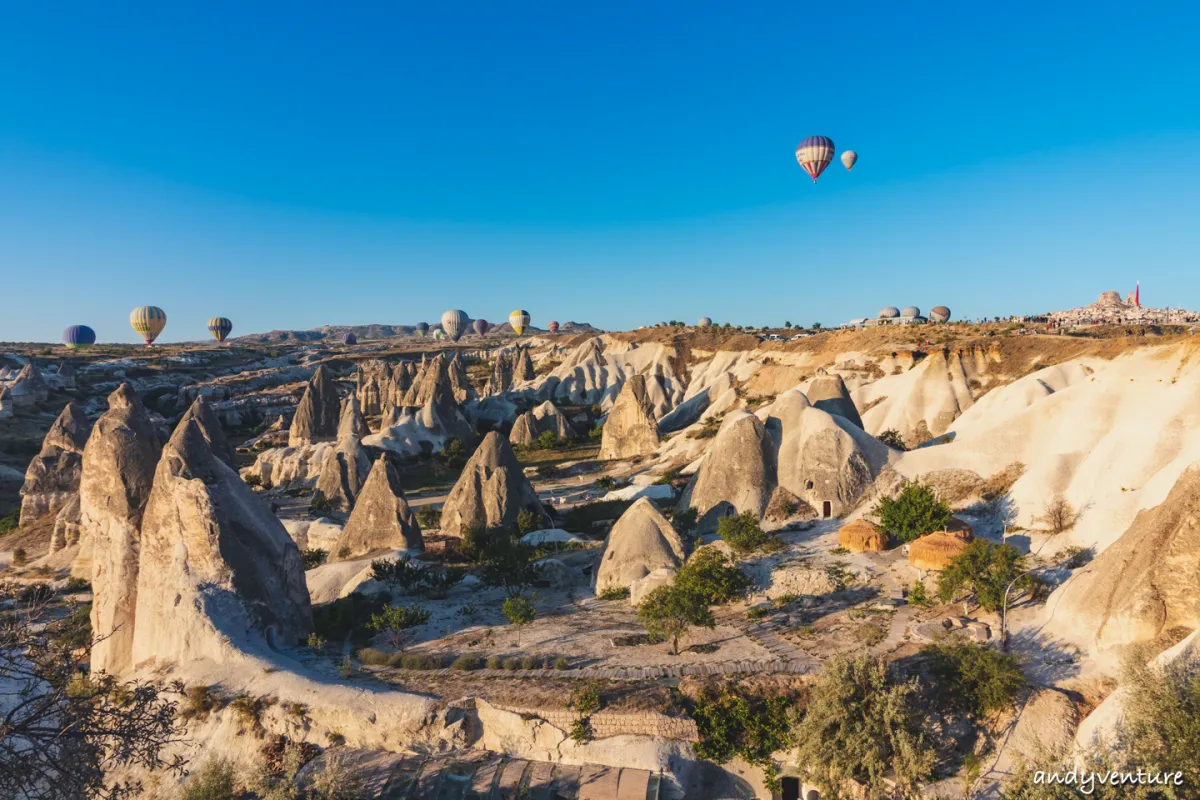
(618, 723)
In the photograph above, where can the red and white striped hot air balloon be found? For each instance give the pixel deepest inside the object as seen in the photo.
(814, 154)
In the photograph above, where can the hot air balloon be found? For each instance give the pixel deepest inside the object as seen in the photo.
(149, 322)
(219, 328)
(454, 323)
(518, 319)
(421, 328)
(79, 337)
(814, 155)
(848, 159)
(349, 338)
(481, 326)
(704, 322)
(439, 335)
(553, 326)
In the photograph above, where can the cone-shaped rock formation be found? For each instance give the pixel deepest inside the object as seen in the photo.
(491, 491)
(218, 572)
(316, 418)
(52, 478)
(641, 541)
(381, 520)
(630, 429)
(118, 471)
(210, 426)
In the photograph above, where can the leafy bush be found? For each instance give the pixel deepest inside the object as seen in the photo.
(710, 574)
(978, 680)
(348, 615)
(19, 559)
(607, 483)
(707, 430)
(916, 511)
(519, 612)
(320, 504)
(668, 611)
(917, 595)
(1075, 557)
(394, 622)
(736, 724)
(985, 570)
(472, 541)
(313, 558)
(249, 711)
(495, 662)
(561, 663)
(467, 662)
(429, 518)
(373, 657)
(892, 438)
(597, 432)
(252, 480)
(684, 521)
(743, 533)
(215, 780)
(615, 593)
(548, 440)
(527, 521)
(861, 723)
(424, 661)
(75, 585)
(200, 701)
(757, 612)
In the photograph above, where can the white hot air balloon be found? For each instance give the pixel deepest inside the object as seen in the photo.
(849, 157)
(454, 323)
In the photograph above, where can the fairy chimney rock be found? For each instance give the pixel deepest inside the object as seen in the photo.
(52, 478)
(219, 576)
(630, 429)
(381, 520)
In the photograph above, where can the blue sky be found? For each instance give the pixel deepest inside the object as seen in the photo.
(290, 166)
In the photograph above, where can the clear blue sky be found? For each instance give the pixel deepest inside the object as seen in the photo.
(619, 163)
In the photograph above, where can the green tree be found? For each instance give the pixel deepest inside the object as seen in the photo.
(508, 564)
(861, 723)
(978, 680)
(527, 521)
(668, 611)
(547, 440)
(394, 622)
(472, 542)
(519, 612)
(984, 570)
(735, 723)
(788, 325)
(916, 511)
(710, 575)
(816, 326)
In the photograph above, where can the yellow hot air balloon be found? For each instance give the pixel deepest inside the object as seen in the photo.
(149, 322)
(518, 320)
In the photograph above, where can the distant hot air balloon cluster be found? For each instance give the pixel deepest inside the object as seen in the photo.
(815, 153)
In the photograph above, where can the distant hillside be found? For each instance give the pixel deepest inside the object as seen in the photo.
(364, 332)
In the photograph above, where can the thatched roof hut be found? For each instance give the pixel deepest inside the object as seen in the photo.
(936, 550)
(862, 536)
(960, 528)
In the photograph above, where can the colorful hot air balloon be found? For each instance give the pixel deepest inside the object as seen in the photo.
(454, 323)
(848, 159)
(149, 322)
(219, 328)
(814, 155)
(553, 326)
(421, 328)
(518, 319)
(481, 326)
(349, 338)
(439, 335)
(79, 337)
